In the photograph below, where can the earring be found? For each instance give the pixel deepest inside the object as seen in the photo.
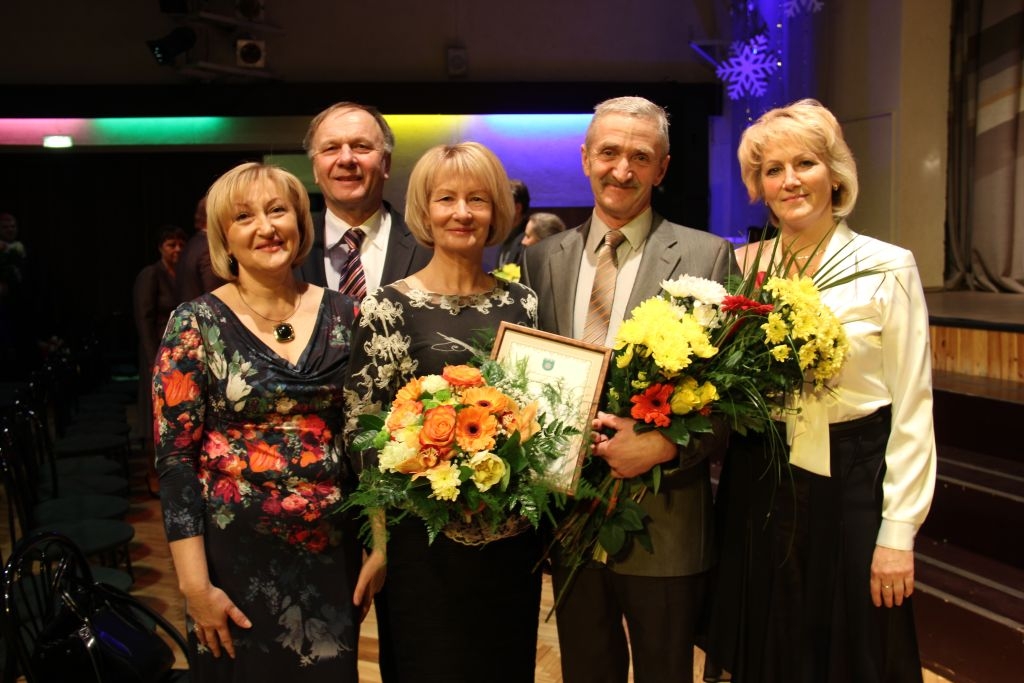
(835, 188)
(232, 265)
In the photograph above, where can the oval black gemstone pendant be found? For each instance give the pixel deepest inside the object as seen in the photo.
(284, 332)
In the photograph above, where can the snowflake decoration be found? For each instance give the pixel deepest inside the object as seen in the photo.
(795, 7)
(748, 68)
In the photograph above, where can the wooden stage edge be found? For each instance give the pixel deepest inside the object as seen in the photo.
(979, 334)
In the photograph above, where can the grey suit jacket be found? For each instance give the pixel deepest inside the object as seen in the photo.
(404, 256)
(680, 521)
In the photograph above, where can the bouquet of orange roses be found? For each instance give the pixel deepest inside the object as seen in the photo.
(466, 451)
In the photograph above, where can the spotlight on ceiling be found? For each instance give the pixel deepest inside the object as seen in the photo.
(176, 42)
(250, 53)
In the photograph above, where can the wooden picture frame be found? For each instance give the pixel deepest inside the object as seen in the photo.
(578, 367)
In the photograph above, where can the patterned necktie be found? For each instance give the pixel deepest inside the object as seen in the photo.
(345, 259)
(603, 294)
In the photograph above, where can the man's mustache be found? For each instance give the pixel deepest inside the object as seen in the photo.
(631, 185)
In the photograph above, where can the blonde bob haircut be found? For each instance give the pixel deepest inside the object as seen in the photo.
(809, 124)
(233, 188)
(466, 160)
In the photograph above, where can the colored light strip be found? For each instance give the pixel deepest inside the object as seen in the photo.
(541, 149)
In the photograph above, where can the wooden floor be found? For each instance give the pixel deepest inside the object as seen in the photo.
(156, 584)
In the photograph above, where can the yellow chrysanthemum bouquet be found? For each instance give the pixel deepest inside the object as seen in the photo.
(465, 451)
(697, 354)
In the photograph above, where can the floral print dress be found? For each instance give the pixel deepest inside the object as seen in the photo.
(249, 455)
(448, 613)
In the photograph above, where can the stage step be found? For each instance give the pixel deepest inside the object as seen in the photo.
(978, 498)
(969, 611)
(976, 414)
(969, 563)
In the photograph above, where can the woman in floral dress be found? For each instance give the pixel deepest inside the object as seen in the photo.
(248, 419)
(449, 612)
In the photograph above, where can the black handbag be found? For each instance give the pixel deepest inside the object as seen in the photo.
(103, 634)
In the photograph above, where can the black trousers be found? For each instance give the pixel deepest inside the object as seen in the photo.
(661, 614)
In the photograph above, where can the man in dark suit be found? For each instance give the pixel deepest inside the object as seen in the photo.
(194, 274)
(625, 155)
(350, 146)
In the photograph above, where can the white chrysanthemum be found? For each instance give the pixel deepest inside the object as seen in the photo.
(705, 291)
(706, 315)
(393, 454)
(434, 383)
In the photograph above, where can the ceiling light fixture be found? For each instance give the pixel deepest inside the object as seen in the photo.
(57, 141)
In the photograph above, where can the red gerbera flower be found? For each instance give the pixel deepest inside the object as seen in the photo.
(737, 302)
(652, 405)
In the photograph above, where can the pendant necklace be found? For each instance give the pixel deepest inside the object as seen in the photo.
(283, 330)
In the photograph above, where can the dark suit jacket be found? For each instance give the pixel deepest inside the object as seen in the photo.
(404, 256)
(194, 275)
(680, 521)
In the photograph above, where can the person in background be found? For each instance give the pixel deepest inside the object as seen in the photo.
(512, 247)
(16, 316)
(248, 418)
(539, 226)
(153, 301)
(446, 604)
(350, 146)
(815, 580)
(195, 274)
(625, 155)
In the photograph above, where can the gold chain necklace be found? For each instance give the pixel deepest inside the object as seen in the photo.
(809, 256)
(283, 330)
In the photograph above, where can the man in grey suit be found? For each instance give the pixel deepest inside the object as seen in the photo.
(625, 155)
(350, 146)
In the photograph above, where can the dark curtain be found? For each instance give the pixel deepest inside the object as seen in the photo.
(985, 214)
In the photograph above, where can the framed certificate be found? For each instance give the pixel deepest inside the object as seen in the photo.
(577, 368)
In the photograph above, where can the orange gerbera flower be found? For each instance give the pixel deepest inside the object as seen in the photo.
(412, 390)
(403, 413)
(652, 406)
(438, 426)
(488, 398)
(462, 376)
(475, 429)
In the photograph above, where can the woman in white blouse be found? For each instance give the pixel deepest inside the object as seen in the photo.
(817, 568)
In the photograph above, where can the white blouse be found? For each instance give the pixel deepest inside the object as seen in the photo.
(888, 363)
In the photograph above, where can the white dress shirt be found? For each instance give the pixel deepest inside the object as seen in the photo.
(629, 254)
(372, 252)
(888, 363)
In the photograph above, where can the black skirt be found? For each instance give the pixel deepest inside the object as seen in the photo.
(791, 601)
(453, 613)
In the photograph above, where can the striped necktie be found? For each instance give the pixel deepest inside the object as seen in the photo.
(603, 293)
(345, 259)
